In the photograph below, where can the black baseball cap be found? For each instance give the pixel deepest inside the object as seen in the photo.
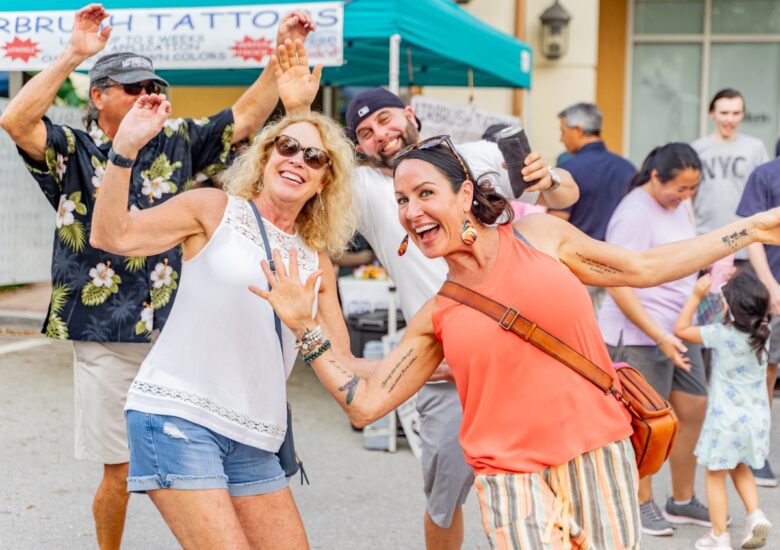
(125, 68)
(368, 102)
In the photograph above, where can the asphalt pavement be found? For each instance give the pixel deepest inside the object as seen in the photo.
(357, 498)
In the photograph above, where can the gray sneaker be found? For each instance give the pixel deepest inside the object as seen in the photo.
(764, 476)
(694, 512)
(653, 523)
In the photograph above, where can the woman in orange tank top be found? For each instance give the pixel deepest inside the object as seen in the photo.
(554, 466)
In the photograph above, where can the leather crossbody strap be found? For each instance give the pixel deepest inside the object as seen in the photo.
(510, 319)
(272, 264)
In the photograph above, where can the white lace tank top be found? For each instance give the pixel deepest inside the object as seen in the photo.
(218, 362)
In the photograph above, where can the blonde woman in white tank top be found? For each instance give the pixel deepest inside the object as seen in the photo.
(206, 412)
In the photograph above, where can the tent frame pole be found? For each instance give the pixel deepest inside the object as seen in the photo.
(395, 63)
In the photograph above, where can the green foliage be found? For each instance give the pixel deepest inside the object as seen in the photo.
(56, 328)
(134, 263)
(70, 138)
(161, 296)
(59, 296)
(50, 157)
(161, 167)
(227, 141)
(140, 328)
(92, 295)
(73, 235)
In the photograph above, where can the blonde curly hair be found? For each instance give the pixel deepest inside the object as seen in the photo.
(326, 229)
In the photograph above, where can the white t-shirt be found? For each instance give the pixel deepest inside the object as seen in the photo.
(726, 166)
(416, 277)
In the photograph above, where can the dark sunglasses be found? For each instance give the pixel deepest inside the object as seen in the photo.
(289, 146)
(432, 143)
(137, 87)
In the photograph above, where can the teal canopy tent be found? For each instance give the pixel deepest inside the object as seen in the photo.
(443, 45)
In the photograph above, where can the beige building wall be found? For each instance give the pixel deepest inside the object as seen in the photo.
(559, 83)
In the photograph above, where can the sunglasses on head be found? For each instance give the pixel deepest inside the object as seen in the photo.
(313, 157)
(432, 143)
(136, 88)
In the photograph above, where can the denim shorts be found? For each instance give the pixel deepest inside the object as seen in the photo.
(168, 452)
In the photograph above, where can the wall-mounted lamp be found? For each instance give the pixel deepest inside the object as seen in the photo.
(555, 31)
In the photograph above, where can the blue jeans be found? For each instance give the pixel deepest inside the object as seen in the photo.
(167, 452)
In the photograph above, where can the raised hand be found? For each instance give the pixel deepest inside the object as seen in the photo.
(292, 301)
(702, 286)
(87, 37)
(297, 85)
(295, 25)
(141, 123)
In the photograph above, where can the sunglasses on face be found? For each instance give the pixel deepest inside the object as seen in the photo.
(432, 143)
(137, 87)
(289, 146)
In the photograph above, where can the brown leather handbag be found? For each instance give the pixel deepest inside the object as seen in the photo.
(654, 423)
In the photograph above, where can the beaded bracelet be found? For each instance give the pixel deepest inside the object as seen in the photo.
(312, 338)
(313, 355)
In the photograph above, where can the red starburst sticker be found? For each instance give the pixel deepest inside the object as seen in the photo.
(252, 49)
(21, 49)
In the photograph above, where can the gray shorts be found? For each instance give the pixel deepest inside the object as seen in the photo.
(446, 475)
(660, 372)
(774, 340)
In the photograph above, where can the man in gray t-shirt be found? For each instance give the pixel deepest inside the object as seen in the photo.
(728, 158)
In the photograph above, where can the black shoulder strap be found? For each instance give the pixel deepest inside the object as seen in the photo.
(259, 218)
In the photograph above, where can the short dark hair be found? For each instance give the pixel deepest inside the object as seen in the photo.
(488, 206)
(726, 93)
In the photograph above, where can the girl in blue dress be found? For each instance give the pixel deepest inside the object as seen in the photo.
(735, 434)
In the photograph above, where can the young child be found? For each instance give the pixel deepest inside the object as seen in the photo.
(735, 434)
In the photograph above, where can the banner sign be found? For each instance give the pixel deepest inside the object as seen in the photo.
(219, 37)
(462, 122)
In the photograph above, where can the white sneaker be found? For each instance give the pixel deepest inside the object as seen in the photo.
(757, 529)
(711, 541)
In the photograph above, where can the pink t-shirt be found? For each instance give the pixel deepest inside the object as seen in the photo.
(639, 223)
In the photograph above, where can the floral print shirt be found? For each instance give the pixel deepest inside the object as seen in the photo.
(102, 297)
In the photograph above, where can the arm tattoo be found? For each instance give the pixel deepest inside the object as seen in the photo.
(598, 267)
(732, 240)
(403, 371)
(350, 386)
(341, 369)
(396, 367)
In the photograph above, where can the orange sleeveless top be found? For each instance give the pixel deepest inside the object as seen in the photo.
(523, 411)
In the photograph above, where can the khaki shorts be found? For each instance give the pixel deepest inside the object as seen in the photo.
(102, 374)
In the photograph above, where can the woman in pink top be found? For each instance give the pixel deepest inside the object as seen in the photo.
(555, 468)
(638, 324)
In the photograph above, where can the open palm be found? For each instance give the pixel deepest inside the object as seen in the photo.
(297, 85)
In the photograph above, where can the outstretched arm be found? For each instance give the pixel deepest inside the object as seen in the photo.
(22, 117)
(598, 263)
(394, 379)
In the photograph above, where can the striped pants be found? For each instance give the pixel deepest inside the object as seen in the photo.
(588, 503)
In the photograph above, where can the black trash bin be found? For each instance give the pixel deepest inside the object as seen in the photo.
(371, 325)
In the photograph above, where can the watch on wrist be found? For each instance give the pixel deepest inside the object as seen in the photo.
(556, 179)
(119, 160)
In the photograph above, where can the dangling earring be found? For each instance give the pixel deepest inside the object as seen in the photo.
(469, 233)
(403, 246)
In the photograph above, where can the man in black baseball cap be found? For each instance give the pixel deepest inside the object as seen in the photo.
(381, 125)
(109, 306)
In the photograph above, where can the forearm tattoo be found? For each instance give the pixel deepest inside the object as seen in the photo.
(598, 267)
(732, 240)
(350, 386)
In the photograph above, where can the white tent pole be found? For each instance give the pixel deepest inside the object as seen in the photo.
(395, 63)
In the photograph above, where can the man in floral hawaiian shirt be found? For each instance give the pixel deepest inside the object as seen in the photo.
(109, 305)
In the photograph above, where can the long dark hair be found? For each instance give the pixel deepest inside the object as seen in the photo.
(668, 161)
(748, 300)
(488, 206)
